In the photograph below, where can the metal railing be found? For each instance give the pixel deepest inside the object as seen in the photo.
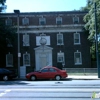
(81, 71)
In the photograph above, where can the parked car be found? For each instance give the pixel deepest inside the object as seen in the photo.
(6, 74)
(47, 73)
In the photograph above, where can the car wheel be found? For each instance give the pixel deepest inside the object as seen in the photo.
(5, 78)
(33, 78)
(57, 77)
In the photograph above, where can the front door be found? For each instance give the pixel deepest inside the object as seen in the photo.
(43, 60)
(43, 57)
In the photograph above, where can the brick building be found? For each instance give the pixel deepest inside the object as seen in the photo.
(49, 38)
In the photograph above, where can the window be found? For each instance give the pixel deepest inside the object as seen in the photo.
(26, 40)
(76, 20)
(52, 70)
(42, 21)
(77, 58)
(45, 70)
(76, 38)
(9, 60)
(25, 21)
(59, 39)
(26, 59)
(58, 20)
(8, 22)
(60, 57)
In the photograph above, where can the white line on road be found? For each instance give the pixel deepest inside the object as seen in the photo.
(49, 90)
(6, 91)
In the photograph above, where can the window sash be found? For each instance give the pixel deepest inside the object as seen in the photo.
(42, 21)
(9, 60)
(76, 38)
(26, 40)
(60, 57)
(76, 20)
(58, 20)
(25, 21)
(59, 39)
(26, 59)
(8, 22)
(77, 58)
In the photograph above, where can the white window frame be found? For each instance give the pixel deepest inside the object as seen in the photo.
(25, 21)
(75, 37)
(59, 39)
(24, 59)
(9, 60)
(59, 19)
(79, 60)
(61, 56)
(74, 19)
(42, 20)
(26, 40)
(8, 21)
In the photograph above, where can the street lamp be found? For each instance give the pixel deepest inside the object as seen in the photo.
(19, 54)
(97, 54)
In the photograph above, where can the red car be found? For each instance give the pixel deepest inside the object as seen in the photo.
(47, 73)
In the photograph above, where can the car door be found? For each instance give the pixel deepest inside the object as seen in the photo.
(53, 72)
(44, 73)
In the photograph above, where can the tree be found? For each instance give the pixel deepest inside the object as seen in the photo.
(89, 19)
(2, 5)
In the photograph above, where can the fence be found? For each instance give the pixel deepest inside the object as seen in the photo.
(81, 71)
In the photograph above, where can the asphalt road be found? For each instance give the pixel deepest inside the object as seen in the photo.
(49, 90)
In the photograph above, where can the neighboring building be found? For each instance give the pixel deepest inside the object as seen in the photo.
(50, 38)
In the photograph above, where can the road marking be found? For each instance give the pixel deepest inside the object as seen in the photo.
(66, 90)
(5, 92)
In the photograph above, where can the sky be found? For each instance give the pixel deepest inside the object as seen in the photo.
(44, 5)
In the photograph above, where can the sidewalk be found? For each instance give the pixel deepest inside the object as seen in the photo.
(76, 77)
(84, 77)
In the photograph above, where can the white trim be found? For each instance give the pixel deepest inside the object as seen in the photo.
(74, 20)
(9, 59)
(61, 39)
(78, 39)
(60, 54)
(24, 21)
(42, 20)
(7, 21)
(78, 63)
(24, 59)
(58, 19)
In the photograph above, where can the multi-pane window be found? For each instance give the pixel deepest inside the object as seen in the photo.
(26, 40)
(8, 21)
(9, 60)
(25, 21)
(42, 21)
(77, 58)
(59, 39)
(59, 20)
(75, 20)
(26, 59)
(60, 57)
(76, 38)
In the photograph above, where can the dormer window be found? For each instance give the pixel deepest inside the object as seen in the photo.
(8, 21)
(42, 21)
(25, 21)
(75, 20)
(59, 20)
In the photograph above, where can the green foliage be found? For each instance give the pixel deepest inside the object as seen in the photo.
(7, 35)
(89, 19)
(2, 3)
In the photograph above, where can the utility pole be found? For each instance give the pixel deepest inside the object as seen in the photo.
(97, 53)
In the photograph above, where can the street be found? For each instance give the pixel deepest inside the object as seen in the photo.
(49, 89)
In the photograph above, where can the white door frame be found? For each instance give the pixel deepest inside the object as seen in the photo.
(38, 51)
